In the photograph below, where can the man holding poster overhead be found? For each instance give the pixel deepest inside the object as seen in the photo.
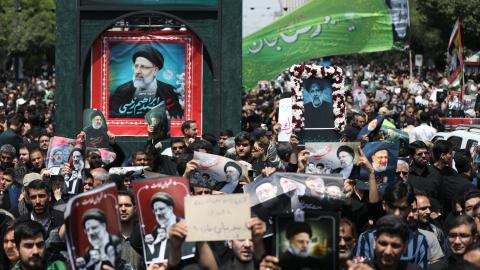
(136, 97)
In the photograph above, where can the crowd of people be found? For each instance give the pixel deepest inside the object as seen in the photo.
(429, 218)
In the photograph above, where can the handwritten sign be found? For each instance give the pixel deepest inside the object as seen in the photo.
(285, 119)
(217, 217)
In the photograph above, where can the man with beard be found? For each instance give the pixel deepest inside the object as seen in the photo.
(11, 135)
(345, 155)
(144, 88)
(390, 243)
(299, 235)
(7, 155)
(156, 243)
(233, 171)
(43, 142)
(346, 241)
(321, 104)
(128, 219)
(400, 19)
(73, 176)
(95, 226)
(96, 133)
(38, 160)
(422, 176)
(397, 200)
(9, 249)
(30, 242)
(40, 197)
(380, 160)
(424, 220)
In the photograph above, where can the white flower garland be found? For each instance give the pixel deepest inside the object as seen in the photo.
(299, 73)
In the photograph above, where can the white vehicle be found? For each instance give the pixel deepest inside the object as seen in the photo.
(463, 137)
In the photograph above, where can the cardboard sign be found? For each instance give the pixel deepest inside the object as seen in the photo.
(217, 217)
(285, 119)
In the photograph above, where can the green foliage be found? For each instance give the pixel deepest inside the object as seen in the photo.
(432, 23)
(27, 31)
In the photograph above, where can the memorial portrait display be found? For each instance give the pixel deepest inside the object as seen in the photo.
(216, 172)
(336, 158)
(308, 241)
(93, 229)
(318, 102)
(133, 72)
(160, 202)
(157, 117)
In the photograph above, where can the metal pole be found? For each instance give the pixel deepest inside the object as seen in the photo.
(410, 62)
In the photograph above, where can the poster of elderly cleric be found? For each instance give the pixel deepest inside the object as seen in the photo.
(383, 155)
(132, 72)
(399, 14)
(93, 229)
(95, 129)
(308, 241)
(286, 192)
(161, 204)
(334, 157)
(58, 152)
(216, 172)
(318, 108)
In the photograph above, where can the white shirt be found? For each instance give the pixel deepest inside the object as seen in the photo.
(423, 132)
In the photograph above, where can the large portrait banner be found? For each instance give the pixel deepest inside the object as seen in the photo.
(133, 72)
(93, 229)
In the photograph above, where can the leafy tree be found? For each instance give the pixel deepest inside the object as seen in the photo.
(27, 30)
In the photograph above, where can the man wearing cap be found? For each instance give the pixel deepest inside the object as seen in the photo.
(346, 156)
(95, 226)
(135, 98)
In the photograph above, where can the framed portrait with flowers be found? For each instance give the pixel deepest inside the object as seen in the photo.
(318, 98)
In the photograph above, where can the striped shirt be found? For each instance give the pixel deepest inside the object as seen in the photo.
(416, 252)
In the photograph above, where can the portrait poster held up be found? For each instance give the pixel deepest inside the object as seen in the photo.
(217, 172)
(334, 157)
(135, 72)
(158, 119)
(95, 129)
(383, 155)
(286, 192)
(58, 153)
(307, 241)
(161, 204)
(318, 102)
(93, 229)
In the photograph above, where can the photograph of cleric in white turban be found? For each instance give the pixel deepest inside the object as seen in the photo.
(104, 249)
(318, 106)
(134, 98)
(400, 17)
(307, 243)
(383, 155)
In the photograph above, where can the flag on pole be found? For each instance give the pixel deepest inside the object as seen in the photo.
(455, 57)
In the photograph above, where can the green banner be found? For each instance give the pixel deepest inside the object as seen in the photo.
(323, 28)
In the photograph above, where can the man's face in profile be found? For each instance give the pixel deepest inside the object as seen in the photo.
(399, 11)
(316, 94)
(380, 161)
(265, 192)
(144, 72)
(345, 159)
(97, 122)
